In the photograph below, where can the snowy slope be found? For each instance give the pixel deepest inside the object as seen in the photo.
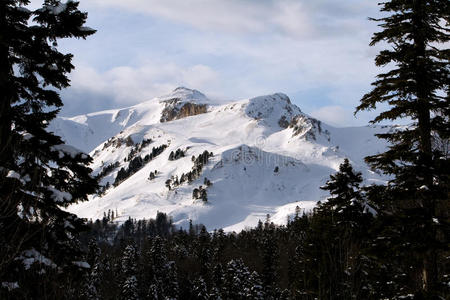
(268, 158)
(90, 130)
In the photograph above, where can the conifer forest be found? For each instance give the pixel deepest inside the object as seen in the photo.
(367, 240)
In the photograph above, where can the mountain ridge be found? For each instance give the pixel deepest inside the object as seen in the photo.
(268, 157)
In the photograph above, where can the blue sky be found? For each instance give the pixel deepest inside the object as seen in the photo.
(317, 52)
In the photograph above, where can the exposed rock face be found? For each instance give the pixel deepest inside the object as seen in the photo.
(175, 109)
(275, 110)
(306, 127)
(283, 122)
(183, 102)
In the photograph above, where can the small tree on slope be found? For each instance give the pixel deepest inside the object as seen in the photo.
(38, 173)
(416, 85)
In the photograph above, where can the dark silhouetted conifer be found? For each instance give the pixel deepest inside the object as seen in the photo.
(93, 279)
(416, 87)
(345, 203)
(39, 175)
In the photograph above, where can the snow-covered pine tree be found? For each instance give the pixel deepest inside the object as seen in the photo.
(218, 245)
(256, 290)
(218, 278)
(160, 271)
(38, 173)
(158, 258)
(284, 295)
(129, 288)
(214, 293)
(171, 286)
(92, 278)
(236, 280)
(161, 274)
(153, 292)
(200, 290)
(415, 86)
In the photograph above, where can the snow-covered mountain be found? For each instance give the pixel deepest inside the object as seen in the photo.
(247, 158)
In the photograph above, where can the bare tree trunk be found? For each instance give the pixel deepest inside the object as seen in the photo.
(424, 93)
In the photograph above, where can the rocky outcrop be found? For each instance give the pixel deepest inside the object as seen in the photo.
(283, 122)
(308, 128)
(274, 110)
(183, 102)
(176, 109)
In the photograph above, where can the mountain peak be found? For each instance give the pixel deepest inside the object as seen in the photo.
(264, 156)
(183, 102)
(183, 94)
(183, 88)
(275, 109)
(272, 97)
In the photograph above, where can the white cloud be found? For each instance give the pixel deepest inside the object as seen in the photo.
(126, 85)
(232, 15)
(335, 115)
(227, 48)
(294, 18)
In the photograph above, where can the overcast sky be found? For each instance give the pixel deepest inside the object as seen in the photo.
(315, 51)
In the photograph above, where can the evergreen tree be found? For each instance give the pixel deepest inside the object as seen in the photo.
(284, 295)
(38, 173)
(158, 258)
(199, 290)
(346, 200)
(270, 257)
(342, 224)
(217, 278)
(154, 292)
(129, 289)
(203, 254)
(256, 291)
(214, 293)
(171, 281)
(415, 202)
(162, 273)
(93, 277)
(236, 281)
